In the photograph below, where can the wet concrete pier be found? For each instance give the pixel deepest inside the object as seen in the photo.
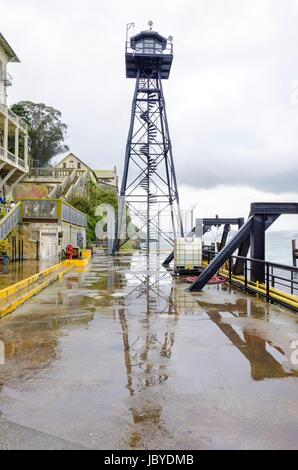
(121, 356)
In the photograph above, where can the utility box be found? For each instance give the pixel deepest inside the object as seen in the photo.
(188, 255)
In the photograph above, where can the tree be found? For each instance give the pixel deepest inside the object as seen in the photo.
(93, 197)
(46, 131)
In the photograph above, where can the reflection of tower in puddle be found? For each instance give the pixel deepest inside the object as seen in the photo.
(31, 345)
(264, 356)
(146, 353)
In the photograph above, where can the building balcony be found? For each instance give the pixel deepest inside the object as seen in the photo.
(13, 118)
(8, 160)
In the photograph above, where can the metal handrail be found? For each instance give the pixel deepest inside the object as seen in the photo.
(77, 187)
(11, 156)
(57, 191)
(272, 279)
(287, 283)
(53, 172)
(9, 221)
(73, 215)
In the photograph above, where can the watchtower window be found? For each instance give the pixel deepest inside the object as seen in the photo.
(148, 46)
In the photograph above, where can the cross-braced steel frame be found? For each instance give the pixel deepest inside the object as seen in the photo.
(149, 185)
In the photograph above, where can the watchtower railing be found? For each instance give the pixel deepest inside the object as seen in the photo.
(154, 48)
(10, 221)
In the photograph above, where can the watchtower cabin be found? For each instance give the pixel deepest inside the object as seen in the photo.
(149, 54)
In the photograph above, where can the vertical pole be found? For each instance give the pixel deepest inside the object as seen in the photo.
(26, 150)
(148, 171)
(158, 233)
(267, 282)
(245, 274)
(294, 252)
(5, 137)
(230, 269)
(257, 241)
(16, 142)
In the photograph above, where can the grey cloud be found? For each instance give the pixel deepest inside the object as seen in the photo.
(229, 95)
(284, 182)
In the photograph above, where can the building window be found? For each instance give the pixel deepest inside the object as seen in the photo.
(79, 165)
(64, 164)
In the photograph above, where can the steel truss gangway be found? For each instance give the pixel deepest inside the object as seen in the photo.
(251, 236)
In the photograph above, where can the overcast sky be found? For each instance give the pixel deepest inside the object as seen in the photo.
(232, 97)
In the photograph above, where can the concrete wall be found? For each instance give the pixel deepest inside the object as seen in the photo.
(70, 235)
(28, 238)
(30, 191)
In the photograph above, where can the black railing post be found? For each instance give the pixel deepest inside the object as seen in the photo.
(230, 269)
(267, 282)
(245, 274)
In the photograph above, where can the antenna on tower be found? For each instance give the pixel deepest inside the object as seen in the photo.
(128, 27)
(150, 24)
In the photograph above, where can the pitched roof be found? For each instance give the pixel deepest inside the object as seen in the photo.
(8, 49)
(73, 155)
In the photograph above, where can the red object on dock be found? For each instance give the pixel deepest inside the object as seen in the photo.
(69, 252)
(214, 280)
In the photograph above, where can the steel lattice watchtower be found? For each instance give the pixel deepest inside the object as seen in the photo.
(149, 185)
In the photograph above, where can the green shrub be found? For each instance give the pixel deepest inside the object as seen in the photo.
(94, 196)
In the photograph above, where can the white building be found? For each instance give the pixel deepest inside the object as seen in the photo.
(105, 178)
(13, 130)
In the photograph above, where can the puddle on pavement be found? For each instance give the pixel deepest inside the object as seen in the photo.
(19, 270)
(122, 356)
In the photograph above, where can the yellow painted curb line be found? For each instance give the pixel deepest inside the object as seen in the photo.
(80, 263)
(32, 293)
(8, 291)
(86, 254)
(30, 280)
